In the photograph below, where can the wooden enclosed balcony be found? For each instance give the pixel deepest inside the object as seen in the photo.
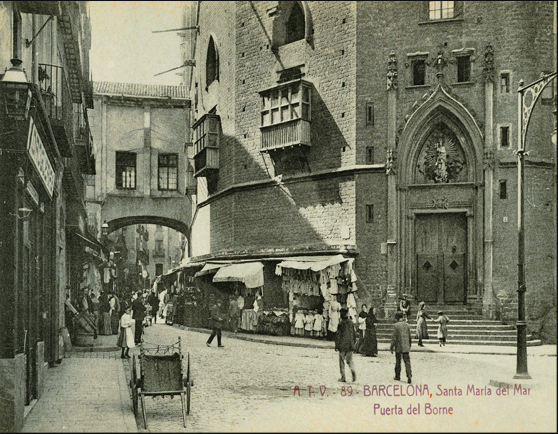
(290, 133)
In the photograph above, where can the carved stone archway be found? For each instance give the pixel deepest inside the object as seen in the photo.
(439, 186)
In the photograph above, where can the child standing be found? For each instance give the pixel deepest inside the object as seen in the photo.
(308, 323)
(443, 320)
(318, 321)
(299, 323)
(126, 335)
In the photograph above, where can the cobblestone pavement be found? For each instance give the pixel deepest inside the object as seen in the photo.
(83, 395)
(248, 386)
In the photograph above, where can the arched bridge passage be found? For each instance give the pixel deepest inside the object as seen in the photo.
(177, 225)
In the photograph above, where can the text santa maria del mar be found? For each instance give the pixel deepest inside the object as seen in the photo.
(396, 390)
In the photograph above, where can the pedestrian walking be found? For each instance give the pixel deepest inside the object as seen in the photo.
(115, 313)
(442, 334)
(345, 344)
(370, 344)
(104, 307)
(138, 314)
(126, 336)
(216, 324)
(153, 301)
(401, 344)
(422, 328)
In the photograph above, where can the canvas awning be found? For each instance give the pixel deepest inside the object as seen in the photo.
(210, 267)
(314, 263)
(249, 273)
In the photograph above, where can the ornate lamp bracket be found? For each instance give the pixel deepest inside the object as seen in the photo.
(528, 97)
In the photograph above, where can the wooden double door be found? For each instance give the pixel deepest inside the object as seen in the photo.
(440, 252)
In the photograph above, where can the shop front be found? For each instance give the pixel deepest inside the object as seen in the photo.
(318, 287)
(30, 306)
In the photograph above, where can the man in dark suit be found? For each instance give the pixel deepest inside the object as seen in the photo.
(345, 344)
(138, 314)
(401, 343)
(217, 324)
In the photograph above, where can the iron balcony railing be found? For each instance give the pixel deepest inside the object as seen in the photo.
(56, 96)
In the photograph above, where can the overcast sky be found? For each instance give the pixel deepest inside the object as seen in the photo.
(124, 49)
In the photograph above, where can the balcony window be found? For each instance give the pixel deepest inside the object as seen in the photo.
(126, 170)
(168, 171)
(441, 10)
(285, 115)
(207, 135)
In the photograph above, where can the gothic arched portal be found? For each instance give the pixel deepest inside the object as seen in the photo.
(440, 203)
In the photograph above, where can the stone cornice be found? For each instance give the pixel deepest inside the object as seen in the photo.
(332, 173)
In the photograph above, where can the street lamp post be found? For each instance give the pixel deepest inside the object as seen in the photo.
(525, 108)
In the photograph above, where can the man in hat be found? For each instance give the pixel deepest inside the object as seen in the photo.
(401, 344)
(345, 344)
(216, 324)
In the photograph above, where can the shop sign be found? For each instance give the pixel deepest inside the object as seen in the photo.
(39, 157)
(32, 192)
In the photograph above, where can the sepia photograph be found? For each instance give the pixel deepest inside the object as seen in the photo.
(278, 216)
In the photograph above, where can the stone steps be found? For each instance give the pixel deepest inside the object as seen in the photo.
(466, 327)
(530, 343)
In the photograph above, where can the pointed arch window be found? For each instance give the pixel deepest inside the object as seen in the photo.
(291, 23)
(295, 24)
(211, 63)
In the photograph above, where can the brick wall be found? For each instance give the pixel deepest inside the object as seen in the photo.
(348, 71)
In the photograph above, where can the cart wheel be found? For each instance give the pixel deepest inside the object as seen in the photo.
(189, 383)
(133, 377)
(135, 400)
(134, 383)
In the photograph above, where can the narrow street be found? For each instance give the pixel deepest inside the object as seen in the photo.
(249, 386)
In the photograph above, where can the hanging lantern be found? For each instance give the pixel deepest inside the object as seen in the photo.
(15, 92)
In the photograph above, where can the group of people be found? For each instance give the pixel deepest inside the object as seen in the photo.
(116, 315)
(359, 337)
(348, 340)
(105, 308)
(422, 328)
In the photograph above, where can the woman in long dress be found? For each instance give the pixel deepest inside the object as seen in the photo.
(422, 328)
(126, 335)
(370, 345)
(442, 328)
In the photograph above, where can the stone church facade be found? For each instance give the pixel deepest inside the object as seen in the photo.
(383, 131)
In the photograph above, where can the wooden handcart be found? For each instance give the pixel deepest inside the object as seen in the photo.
(158, 371)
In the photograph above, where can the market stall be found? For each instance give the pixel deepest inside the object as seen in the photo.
(318, 288)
